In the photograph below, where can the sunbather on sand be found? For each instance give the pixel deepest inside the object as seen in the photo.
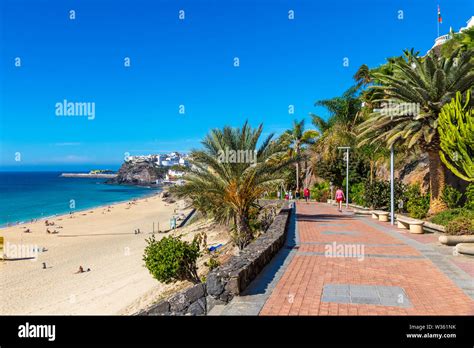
(81, 270)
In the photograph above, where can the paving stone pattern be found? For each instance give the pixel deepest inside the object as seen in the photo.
(398, 275)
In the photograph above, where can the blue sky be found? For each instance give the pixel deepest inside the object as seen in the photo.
(184, 62)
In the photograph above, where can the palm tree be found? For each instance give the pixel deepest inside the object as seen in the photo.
(296, 139)
(426, 84)
(227, 187)
(339, 128)
(343, 110)
(362, 76)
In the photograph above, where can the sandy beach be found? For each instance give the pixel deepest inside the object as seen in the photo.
(101, 239)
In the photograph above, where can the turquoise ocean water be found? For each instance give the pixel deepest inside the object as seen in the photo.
(29, 195)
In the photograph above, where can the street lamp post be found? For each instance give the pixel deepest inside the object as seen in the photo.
(392, 193)
(392, 185)
(347, 173)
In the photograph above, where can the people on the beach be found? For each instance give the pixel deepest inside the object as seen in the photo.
(306, 194)
(339, 198)
(81, 270)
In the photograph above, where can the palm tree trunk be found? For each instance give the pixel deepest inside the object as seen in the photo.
(297, 177)
(437, 182)
(243, 233)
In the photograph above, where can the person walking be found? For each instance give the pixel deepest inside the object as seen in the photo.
(340, 198)
(306, 194)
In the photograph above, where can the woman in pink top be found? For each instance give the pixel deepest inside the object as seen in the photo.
(340, 197)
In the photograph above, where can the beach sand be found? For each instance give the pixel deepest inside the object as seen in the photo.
(101, 240)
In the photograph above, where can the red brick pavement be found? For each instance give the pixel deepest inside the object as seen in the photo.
(299, 290)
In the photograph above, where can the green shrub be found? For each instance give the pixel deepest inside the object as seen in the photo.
(377, 194)
(447, 216)
(171, 259)
(213, 262)
(470, 197)
(460, 226)
(451, 196)
(320, 192)
(358, 194)
(417, 204)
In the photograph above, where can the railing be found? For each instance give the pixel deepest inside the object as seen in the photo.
(441, 39)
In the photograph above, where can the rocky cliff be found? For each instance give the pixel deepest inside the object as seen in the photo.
(142, 173)
(414, 169)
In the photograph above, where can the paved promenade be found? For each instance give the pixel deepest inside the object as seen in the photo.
(338, 264)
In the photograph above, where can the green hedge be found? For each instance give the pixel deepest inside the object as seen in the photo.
(445, 217)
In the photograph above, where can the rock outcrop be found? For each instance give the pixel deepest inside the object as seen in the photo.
(141, 173)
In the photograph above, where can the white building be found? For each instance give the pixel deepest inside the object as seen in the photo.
(160, 160)
(443, 38)
(175, 173)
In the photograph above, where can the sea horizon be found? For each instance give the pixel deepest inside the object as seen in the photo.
(27, 195)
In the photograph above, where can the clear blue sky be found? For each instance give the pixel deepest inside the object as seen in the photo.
(188, 62)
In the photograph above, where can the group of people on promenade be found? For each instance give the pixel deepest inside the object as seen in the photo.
(339, 196)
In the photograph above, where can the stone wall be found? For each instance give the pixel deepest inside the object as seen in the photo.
(230, 279)
(191, 301)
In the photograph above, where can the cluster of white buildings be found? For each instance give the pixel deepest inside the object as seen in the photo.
(167, 160)
(164, 160)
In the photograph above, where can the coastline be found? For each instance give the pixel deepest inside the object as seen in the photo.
(100, 238)
(156, 191)
(88, 175)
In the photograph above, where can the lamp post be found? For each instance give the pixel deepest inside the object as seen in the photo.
(347, 172)
(392, 184)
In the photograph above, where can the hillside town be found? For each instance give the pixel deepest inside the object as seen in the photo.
(174, 161)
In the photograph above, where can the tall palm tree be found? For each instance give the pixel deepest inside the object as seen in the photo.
(342, 109)
(362, 76)
(228, 188)
(338, 129)
(296, 139)
(426, 83)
